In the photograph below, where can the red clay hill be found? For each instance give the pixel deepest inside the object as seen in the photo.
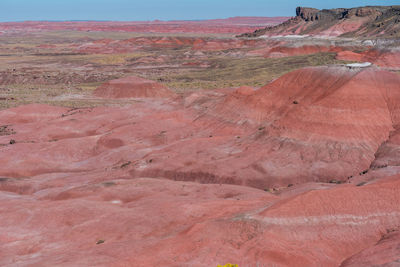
(301, 172)
(132, 86)
(389, 58)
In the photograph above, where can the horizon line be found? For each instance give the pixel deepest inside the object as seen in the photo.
(154, 20)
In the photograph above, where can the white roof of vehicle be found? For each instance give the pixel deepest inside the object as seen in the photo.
(359, 65)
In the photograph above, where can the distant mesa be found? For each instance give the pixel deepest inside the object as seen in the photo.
(132, 87)
(369, 21)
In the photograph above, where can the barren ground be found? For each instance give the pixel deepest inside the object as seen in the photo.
(197, 148)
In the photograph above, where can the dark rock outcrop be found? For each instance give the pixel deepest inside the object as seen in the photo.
(369, 21)
(307, 13)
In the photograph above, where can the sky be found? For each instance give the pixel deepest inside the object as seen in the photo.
(129, 10)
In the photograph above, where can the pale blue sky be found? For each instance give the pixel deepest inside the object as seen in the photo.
(18, 10)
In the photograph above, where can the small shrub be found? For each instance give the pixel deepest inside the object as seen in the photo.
(335, 182)
(126, 164)
(108, 184)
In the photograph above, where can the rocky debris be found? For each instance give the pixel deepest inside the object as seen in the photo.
(6, 130)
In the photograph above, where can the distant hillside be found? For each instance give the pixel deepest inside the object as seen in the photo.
(234, 25)
(369, 21)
